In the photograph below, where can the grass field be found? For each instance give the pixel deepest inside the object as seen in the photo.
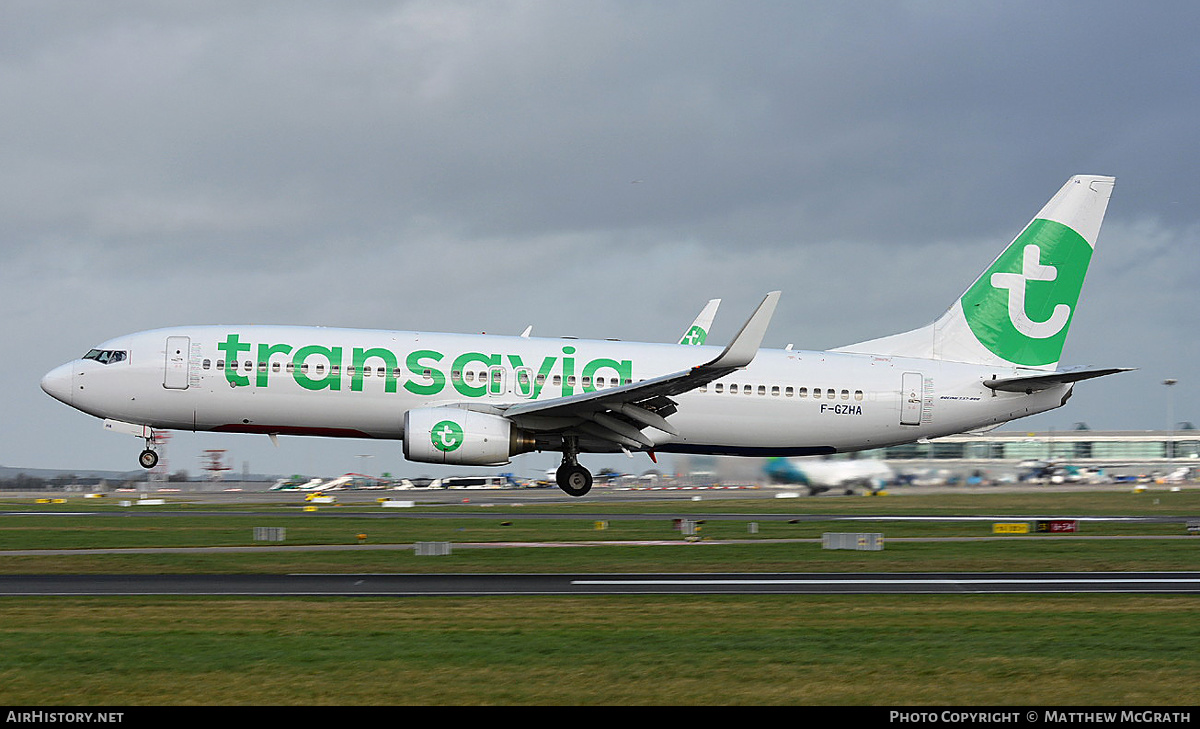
(1065, 650)
(866, 650)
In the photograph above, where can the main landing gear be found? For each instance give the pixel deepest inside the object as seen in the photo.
(149, 457)
(572, 478)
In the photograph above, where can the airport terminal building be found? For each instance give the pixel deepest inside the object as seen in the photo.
(1117, 451)
(1009, 454)
(1090, 447)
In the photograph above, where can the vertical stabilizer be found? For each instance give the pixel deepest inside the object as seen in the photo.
(1018, 312)
(697, 333)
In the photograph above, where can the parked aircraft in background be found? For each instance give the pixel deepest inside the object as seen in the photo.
(697, 333)
(480, 399)
(820, 475)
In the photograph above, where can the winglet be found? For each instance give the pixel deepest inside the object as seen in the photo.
(744, 347)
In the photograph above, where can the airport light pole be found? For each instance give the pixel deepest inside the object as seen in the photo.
(1170, 450)
(362, 466)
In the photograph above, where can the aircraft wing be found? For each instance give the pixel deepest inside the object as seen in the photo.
(618, 414)
(1045, 381)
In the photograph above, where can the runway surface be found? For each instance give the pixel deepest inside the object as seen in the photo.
(411, 585)
(460, 506)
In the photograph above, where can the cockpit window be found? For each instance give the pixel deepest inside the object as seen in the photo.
(106, 356)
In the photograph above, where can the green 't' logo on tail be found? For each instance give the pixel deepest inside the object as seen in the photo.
(1021, 307)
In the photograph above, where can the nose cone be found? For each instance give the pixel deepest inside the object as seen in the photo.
(57, 383)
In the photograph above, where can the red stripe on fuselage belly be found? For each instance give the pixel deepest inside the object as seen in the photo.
(291, 430)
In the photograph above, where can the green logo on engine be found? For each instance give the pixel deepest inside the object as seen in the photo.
(1021, 307)
(446, 436)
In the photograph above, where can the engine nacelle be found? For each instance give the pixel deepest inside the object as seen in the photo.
(458, 437)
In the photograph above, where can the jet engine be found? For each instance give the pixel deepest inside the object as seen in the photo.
(458, 437)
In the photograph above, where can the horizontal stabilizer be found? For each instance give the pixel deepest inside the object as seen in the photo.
(1045, 382)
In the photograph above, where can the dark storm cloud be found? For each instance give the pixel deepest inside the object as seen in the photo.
(597, 169)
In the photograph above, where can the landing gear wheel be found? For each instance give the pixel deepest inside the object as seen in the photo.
(574, 480)
(148, 459)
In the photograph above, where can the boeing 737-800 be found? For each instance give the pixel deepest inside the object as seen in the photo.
(481, 399)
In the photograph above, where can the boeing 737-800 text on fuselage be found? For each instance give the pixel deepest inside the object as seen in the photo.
(480, 399)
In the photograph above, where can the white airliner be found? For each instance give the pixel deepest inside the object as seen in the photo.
(480, 399)
(819, 475)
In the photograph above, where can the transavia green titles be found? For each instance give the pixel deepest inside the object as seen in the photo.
(320, 367)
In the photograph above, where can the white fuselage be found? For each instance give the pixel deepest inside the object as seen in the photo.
(360, 383)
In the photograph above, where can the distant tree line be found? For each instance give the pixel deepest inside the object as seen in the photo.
(25, 482)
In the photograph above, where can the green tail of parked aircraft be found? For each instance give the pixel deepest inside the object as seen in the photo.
(697, 333)
(481, 399)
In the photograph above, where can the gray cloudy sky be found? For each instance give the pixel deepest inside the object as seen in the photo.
(591, 168)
